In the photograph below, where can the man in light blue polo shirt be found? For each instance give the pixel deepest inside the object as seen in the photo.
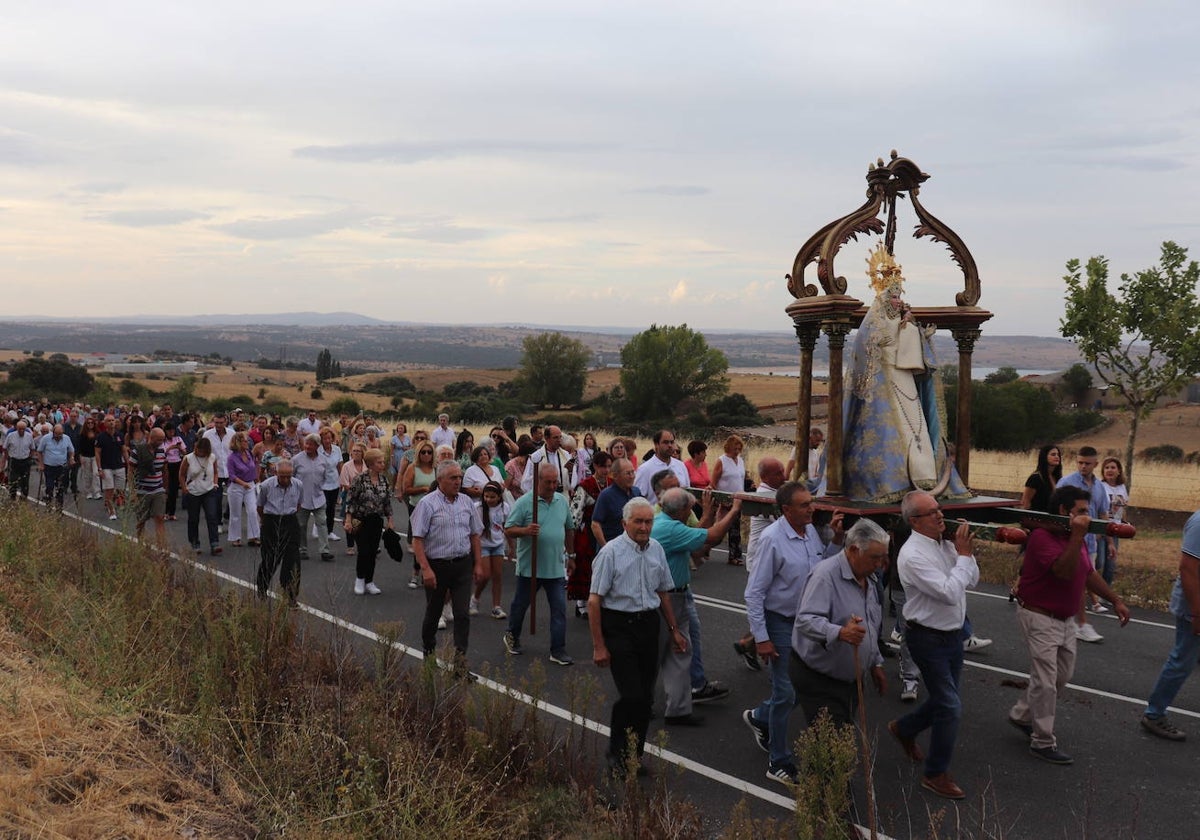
(55, 456)
(680, 541)
(788, 549)
(555, 535)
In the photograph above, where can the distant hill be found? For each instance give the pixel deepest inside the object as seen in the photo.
(359, 339)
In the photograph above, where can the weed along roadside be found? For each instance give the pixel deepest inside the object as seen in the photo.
(263, 724)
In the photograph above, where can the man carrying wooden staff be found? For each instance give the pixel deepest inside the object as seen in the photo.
(552, 532)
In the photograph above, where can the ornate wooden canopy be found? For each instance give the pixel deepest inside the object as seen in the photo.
(836, 313)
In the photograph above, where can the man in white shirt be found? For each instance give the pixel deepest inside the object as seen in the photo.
(662, 459)
(221, 437)
(442, 434)
(553, 453)
(936, 575)
(311, 424)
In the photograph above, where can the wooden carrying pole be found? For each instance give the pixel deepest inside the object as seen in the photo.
(865, 748)
(533, 567)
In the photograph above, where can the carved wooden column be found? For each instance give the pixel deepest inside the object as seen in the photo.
(966, 338)
(806, 334)
(837, 332)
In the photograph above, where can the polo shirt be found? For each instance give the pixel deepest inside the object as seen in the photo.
(554, 518)
(678, 541)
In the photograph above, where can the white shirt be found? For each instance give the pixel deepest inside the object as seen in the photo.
(568, 478)
(220, 448)
(653, 465)
(443, 437)
(309, 427)
(935, 579)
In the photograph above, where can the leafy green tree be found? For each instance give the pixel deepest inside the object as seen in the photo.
(663, 366)
(1144, 343)
(345, 405)
(1002, 375)
(324, 365)
(183, 395)
(36, 375)
(553, 369)
(1077, 381)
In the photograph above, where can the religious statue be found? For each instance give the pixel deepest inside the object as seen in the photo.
(894, 410)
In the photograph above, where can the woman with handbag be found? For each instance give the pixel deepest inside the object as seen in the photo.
(368, 511)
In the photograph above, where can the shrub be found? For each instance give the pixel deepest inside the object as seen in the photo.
(1166, 453)
(345, 405)
(316, 394)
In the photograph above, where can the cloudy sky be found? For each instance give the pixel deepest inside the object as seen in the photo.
(564, 163)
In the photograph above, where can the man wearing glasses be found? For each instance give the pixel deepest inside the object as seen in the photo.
(662, 459)
(936, 574)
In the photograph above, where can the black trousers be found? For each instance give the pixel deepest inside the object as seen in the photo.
(18, 476)
(632, 642)
(369, 532)
(454, 575)
(54, 484)
(816, 691)
(280, 550)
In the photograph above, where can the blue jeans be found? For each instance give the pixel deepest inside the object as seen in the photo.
(696, 672)
(1180, 662)
(556, 595)
(775, 711)
(939, 656)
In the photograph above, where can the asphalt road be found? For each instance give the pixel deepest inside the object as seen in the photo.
(1124, 783)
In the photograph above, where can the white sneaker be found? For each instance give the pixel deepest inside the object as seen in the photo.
(1087, 633)
(442, 623)
(414, 582)
(360, 586)
(372, 589)
(447, 613)
(975, 644)
(334, 537)
(908, 693)
(896, 636)
(111, 517)
(473, 608)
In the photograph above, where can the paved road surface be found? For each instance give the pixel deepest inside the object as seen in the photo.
(1124, 783)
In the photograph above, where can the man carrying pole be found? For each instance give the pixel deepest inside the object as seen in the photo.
(542, 526)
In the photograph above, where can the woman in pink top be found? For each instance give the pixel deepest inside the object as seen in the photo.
(697, 466)
(351, 470)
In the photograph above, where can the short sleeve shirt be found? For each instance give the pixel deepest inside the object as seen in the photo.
(1191, 547)
(678, 541)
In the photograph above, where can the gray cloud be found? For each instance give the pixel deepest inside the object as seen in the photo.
(157, 217)
(398, 151)
(291, 227)
(1137, 163)
(21, 150)
(573, 218)
(682, 190)
(441, 233)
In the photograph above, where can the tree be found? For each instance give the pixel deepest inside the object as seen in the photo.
(663, 366)
(1002, 375)
(49, 376)
(327, 366)
(183, 395)
(345, 405)
(1077, 381)
(553, 369)
(1145, 343)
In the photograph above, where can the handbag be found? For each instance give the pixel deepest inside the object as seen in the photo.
(393, 545)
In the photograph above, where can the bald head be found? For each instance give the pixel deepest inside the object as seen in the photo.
(771, 472)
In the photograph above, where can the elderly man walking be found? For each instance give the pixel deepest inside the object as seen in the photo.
(630, 581)
(55, 456)
(314, 471)
(446, 527)
(278, 503)
(788, 549)
(18, 459)
(936, 574)
(840, 615)
(555, 536)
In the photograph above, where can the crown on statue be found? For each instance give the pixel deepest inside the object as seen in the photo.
(884, 271)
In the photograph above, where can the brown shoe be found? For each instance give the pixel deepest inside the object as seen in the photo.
(910, 746)
(943, 786)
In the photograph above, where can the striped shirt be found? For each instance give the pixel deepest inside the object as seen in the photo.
(446, 525)
(628, 577)
(277, 500)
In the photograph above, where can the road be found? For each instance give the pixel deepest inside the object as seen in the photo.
(1124, 783)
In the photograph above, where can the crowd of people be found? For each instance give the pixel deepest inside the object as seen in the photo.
(620, 535)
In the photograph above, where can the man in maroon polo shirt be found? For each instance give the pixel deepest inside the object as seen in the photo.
(1053, 576)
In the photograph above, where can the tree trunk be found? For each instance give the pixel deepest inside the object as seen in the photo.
(1134, 419)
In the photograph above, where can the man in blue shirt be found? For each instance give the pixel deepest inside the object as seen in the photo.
(606, 516)
(680, 542)
(1087, 480)
(55, 456)
(1185, 605)
(787, 549)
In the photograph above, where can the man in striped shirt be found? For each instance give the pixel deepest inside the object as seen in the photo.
(446, 527)
(150, 464)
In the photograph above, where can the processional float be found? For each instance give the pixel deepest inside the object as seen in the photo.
(868, 473)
